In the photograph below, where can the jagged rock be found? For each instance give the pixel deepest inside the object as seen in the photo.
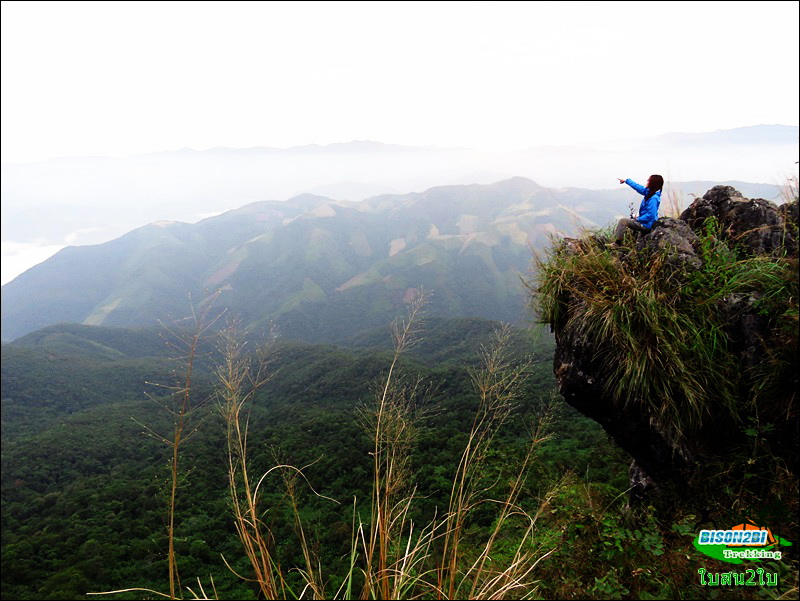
(755, 225)
(657, 455)
(641, 483)
(672, 238)
(580, 245)
(752, 226)
(789, 213)
(747, 327)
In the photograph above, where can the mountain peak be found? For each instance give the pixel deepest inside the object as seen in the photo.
(308, 201)
(517, 183)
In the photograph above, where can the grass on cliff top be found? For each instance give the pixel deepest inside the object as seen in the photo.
(660, 330)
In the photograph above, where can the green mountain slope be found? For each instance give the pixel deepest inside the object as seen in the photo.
(98, 342)
(321, 270)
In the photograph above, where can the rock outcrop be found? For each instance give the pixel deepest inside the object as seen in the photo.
(755, 224)
(661, 455)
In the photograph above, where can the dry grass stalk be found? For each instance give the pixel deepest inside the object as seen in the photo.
(181, 406)
(399, 562)
(181, 414)
(398, 558)
(499, 384)
(238, 379)
(392, 427)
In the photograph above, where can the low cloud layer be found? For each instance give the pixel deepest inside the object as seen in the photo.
(21, 256)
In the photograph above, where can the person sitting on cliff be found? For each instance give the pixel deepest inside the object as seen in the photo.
(648, 210)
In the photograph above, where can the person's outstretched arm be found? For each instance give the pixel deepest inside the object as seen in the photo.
(640, 189)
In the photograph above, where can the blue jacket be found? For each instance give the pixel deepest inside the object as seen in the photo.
(648, 210)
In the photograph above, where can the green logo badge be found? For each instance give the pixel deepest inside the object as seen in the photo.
(743, 542)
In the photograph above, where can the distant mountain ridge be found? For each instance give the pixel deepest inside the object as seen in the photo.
(95, 199)
(322, 270)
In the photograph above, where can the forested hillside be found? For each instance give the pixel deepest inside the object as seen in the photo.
(84, 489)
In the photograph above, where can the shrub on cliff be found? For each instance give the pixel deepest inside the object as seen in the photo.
(694, 326)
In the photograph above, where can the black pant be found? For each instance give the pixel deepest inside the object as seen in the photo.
(625, 223)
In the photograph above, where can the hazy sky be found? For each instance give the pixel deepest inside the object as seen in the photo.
(122, 78)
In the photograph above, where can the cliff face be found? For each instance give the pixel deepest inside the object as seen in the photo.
(749, 337)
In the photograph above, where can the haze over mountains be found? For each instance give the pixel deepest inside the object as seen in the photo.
(95, 199)
(323, 270)
(325, 266)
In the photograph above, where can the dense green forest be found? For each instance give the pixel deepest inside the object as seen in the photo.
(85, 479)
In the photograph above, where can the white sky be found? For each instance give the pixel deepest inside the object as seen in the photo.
(123, 78)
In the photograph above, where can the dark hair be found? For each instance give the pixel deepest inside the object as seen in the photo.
(654, 184)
